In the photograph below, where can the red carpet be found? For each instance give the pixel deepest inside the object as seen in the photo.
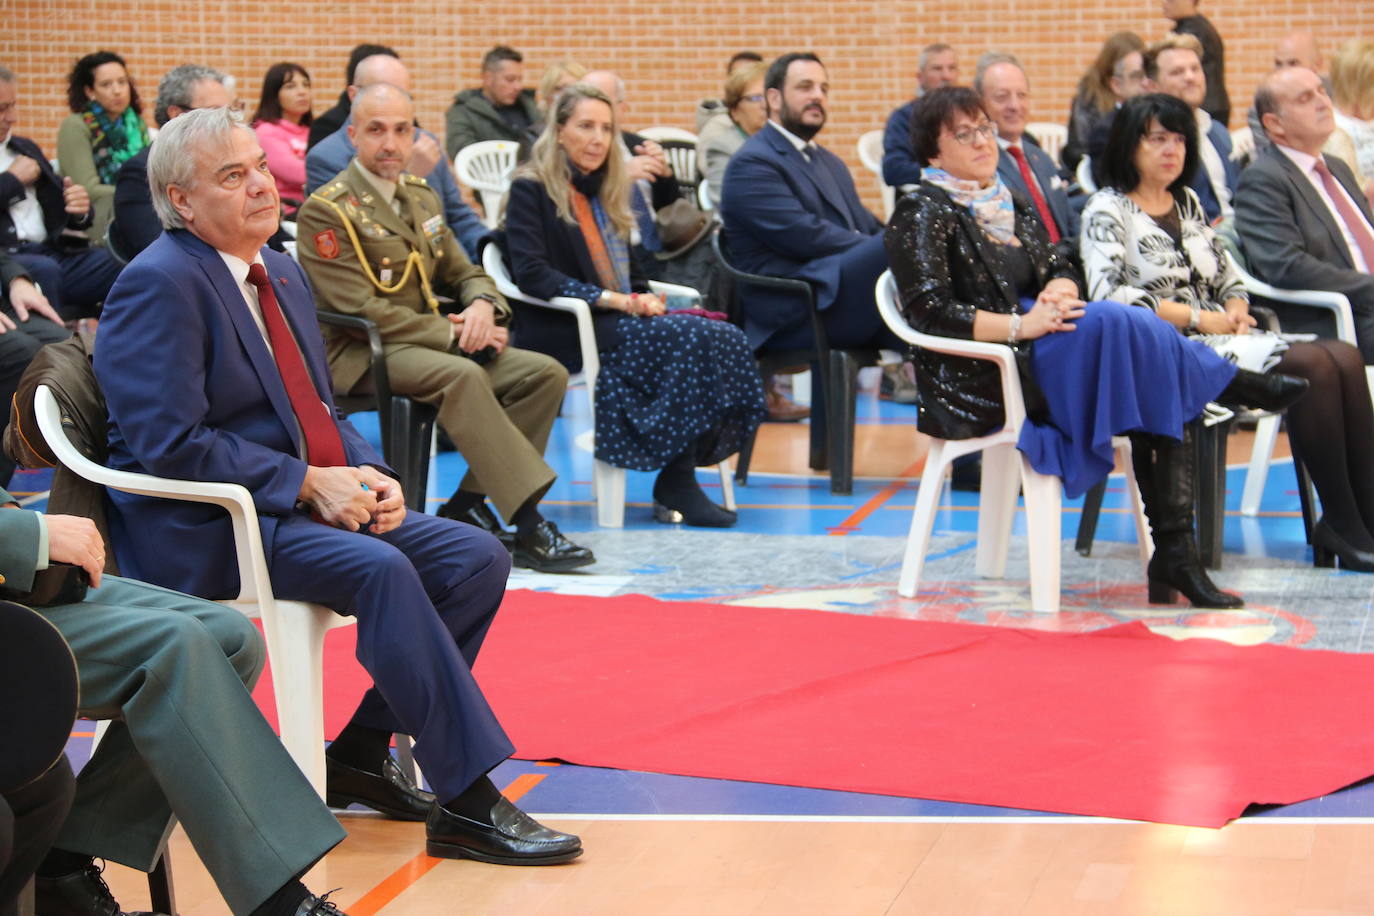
(1118, 723)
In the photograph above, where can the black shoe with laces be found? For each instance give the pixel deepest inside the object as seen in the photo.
(319, 906)
(79, 893)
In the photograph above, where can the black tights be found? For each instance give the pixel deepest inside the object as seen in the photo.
(1331, 429)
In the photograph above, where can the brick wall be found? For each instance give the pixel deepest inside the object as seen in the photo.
(670, 56)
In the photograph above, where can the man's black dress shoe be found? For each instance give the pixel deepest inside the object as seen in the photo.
(80, 893)
(392, 793)
(545, 549)
(319, 906)
(482, 517)
(512, 838)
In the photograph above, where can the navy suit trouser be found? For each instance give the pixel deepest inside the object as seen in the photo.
(75, 280)
(424, 595)
(851, 319)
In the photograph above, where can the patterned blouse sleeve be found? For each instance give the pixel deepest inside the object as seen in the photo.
(1107, 262)
(1225, 283)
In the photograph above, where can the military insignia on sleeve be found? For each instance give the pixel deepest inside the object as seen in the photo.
(327, 244)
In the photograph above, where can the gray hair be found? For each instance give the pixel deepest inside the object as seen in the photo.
(930, 51)
(178, 85)
(7, 76)
(990, 59)
(175, 158)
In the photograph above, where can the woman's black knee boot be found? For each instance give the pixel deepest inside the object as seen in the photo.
(1164, 472)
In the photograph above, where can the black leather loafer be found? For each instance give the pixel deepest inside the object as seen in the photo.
(512, 838)
(481, 516)
(80, 893)
(392, 793)
(547, 550)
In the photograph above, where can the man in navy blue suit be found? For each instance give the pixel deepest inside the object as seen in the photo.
(213, 368)
(1023, 165)
(1173, 65)
(937, 66)
(790, 209)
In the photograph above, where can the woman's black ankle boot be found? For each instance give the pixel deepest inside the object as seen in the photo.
(1272, 391)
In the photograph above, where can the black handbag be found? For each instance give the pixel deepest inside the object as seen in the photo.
(60, 583)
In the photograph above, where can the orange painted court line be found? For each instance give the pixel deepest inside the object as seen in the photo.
(521, 785)
(83, 734)
(396, 883)
(856, 518)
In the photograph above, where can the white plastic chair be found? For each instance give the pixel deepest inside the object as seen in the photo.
(1052, 138)
(1242, 143)
(1084, 174)
(1267, 429)
(659, 134)
(1005, 470)
(871, 155)
(486, 167)
(294, 629)
(704, 196)
(608, 481)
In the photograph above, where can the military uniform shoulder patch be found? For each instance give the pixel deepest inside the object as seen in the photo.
(327, 244)
(415, 179)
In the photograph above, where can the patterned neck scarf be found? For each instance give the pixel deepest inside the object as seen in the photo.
(610, 254)
(991, 206)
(113, 142)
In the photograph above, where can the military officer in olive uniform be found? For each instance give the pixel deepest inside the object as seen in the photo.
(374, 243)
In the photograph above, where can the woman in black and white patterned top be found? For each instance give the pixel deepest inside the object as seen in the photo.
(1146, 242)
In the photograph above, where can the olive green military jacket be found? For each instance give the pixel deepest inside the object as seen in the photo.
(363, 259)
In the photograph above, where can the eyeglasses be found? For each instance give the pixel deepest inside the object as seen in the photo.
(752, 98)
(1158, 139)
(965, 137)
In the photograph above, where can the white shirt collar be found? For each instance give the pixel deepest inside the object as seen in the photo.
(1204, 120)
(238, 267)
(803, 146)
(385, 188)
(1304, 161)
(1003, 143)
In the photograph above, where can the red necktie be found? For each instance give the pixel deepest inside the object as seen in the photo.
(1354, 219)
(323, 446)
(1041, 207)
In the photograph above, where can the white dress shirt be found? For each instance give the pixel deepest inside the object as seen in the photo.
(27, 214)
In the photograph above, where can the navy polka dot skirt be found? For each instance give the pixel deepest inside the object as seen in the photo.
(676, 382)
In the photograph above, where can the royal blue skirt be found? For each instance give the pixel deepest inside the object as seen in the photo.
(1123, 370)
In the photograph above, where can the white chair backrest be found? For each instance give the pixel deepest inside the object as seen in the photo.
(871, 155)
(704, 195)
(486, 167)
(683, 159)
(885, 294)
(494, 264)
(668, 133)
(1084, 174)
(871, 151)
(1242, 143)
(1052, 137)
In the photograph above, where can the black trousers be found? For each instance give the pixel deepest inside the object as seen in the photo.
(30, 818)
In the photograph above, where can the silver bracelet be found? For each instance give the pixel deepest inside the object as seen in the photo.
(1194, 317)
(1014, 329)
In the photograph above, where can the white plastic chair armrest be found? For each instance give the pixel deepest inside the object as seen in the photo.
(232, 497)
(674, 289)
(1333, 302)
